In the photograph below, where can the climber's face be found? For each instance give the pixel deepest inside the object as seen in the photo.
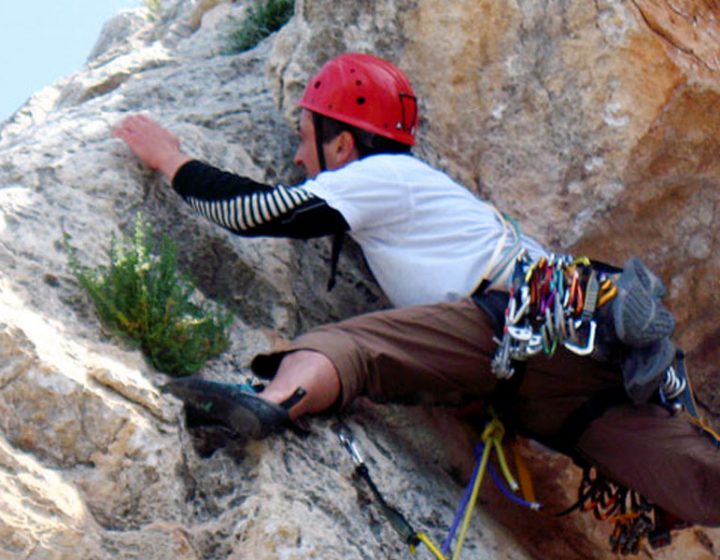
(306, 154)
(337, 152)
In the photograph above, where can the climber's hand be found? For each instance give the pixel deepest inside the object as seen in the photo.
(156, 146)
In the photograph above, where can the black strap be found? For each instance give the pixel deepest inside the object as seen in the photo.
(337, 244)
(580, 419)
(505, 392)
(607, 268)
(339, 237)
(318, 125)
(493, 303)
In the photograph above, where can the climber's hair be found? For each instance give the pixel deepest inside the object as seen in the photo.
(367, 143)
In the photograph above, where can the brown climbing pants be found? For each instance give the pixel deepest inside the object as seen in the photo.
(441, 353)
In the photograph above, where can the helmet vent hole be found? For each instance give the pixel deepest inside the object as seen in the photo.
(317, 84)
(358, 82)
(360, 100)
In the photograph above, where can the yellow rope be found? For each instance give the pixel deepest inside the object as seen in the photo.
(492, 439)
(702, 425)
(492, 436)
(427, 541)
(512, 483)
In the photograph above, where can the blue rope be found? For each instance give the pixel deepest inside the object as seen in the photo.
(478, 451)
(509, 494)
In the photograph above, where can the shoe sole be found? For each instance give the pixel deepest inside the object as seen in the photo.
(244, 413)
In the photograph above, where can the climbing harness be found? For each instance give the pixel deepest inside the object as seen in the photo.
(562, 301)
(552, 302)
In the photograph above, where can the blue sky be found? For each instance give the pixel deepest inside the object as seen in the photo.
(43, 40)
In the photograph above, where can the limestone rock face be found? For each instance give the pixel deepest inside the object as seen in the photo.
(595, 124)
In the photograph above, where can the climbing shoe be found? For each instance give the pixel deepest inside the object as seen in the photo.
(236, 407)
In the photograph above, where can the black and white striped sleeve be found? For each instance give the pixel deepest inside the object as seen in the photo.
(246, 207)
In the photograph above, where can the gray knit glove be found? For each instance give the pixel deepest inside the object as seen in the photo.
(638, 314)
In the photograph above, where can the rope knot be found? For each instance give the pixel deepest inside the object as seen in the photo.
(494, 432)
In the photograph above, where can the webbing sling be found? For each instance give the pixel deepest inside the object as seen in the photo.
(337, 244)
(397, 520)
(496, 266)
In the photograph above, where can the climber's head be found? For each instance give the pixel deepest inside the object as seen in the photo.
(357, 105)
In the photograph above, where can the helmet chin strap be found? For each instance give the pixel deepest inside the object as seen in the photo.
(317, 125)
(339, 236)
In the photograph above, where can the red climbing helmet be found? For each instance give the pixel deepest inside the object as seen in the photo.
(367, 92)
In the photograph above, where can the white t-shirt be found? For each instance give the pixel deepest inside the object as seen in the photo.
(426, 238)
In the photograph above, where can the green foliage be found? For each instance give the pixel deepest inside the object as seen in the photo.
(153, 7)
(144, 299)
(264, 18)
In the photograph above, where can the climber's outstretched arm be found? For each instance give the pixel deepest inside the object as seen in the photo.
(234, 202)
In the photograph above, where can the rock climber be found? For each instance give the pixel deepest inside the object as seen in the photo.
(449, 263)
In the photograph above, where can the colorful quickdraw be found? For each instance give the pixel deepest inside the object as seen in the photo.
(635, 519)
(397, 520)
(552, 303)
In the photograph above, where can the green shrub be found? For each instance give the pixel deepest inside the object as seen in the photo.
(153, 7)
(143, 298)
(264, 18)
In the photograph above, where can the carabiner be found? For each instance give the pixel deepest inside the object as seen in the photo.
(589, 345)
